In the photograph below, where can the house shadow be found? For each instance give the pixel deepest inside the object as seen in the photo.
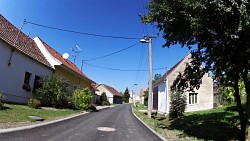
(221, 126)
(5, 108)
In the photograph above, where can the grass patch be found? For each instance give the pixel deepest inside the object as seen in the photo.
(220, 124)
(20, 113)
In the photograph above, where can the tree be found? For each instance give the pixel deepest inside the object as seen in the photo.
(82, 99)
(104, 99)
(177, 104)
(156, 77)
(146, 98)
(221, 31)
(53, 90)
(126, 95)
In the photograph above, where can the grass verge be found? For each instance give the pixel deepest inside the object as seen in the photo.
(20, 113)
(220, 124)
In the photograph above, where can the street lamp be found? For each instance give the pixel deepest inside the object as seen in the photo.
(148, 39)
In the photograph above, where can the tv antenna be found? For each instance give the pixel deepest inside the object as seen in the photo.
(76, 51)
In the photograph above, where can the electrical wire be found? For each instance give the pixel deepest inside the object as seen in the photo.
(84, 33)
(111, 53)
(115, 69)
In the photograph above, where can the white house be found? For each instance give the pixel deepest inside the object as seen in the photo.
(114, 97)
(201, 99)
(22, 64)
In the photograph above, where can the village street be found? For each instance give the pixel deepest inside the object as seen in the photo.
(121, 123)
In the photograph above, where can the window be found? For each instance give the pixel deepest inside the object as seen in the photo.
(67, 85)
(75, 87)
(26, 83)
(36, 82)
(193, 98)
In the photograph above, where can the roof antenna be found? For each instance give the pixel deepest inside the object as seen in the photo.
(76, 51)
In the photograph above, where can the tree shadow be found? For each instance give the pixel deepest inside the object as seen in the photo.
(5, 108)
(220, 126)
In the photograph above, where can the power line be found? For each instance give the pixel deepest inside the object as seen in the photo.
(111, 53)
(84, 33)
(116, 69)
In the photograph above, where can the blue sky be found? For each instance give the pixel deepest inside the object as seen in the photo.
(113, 17)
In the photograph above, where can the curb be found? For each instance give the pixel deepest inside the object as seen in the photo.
(8, 130)
(157, 134)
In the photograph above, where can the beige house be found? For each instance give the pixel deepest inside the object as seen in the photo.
(114, 97)
(201, 99)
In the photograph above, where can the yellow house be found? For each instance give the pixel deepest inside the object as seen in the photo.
(75, 78)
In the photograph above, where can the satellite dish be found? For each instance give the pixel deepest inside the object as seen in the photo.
(65, 55)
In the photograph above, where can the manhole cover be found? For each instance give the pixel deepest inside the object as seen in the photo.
(106, 129)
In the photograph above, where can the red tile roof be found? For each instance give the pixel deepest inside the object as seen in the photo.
(112, 90)
(65, 62)
(23, 43)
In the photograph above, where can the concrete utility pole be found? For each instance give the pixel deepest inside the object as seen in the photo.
(148, 39)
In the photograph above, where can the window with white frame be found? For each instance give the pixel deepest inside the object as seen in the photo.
(75, 87)
(193, 98)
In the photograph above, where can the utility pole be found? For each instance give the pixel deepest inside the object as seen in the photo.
(148, 39)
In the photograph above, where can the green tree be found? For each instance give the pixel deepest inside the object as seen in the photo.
(53, 90)
(104, 99)
(177, 104)
(221, 31)
(82, 99)
(126, 95)
(156, 77)
(146, 98)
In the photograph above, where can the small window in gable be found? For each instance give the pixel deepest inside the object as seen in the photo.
(26, 83)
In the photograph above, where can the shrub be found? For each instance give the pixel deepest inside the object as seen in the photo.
(34, 103)
(82, 99)
(53, 90)
(103, 97)
(1, 102)
(177, 104)
(105, 103)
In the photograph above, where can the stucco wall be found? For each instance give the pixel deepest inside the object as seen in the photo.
(205, 92)
(102, 89)
(162, 99)
(72, 78)
(12, 77)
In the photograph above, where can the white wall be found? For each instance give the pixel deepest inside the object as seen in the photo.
(102, 89)
(12, 78)
(162, 97)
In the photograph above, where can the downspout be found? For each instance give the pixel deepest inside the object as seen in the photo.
(15, 43)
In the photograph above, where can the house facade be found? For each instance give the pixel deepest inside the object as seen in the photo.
(74, 77)
(114, 97)
(22, 64)
(201, 99)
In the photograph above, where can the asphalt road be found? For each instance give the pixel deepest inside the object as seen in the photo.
(113, 124)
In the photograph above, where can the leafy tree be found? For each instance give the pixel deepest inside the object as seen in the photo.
(53, 90)
(126, 95)
(104, 99)
(221, 31)
(177, 104)
(146, 98)
(156, 77)
(1, 102)
(82, 99)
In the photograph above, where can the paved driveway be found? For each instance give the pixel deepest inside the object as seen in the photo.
(114, 124)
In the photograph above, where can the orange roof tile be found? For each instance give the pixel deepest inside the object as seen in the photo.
(65, 62)
(112, 90)
(22, 42)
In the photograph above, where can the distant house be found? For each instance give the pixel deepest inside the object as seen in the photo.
(65, 68)
(135, 98)
(114, 97)
(200, 99)
(142, 93)
(22, 64)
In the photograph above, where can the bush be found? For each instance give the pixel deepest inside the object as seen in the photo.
(53, 90)
(82, 99)
(105, 103)
(34, 103)
(1, 102)
(177, 104)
